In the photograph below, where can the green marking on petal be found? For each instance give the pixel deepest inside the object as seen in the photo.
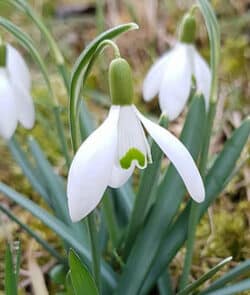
(132, 154)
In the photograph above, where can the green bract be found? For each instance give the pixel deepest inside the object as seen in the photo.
(187, 29)
(120, 82)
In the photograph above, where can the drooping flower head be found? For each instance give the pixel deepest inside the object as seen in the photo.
(16, 104)
(171, 76)
(110, 154)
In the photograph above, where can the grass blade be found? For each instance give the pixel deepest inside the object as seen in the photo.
(190, 288)
(29, 171)
(239, 270)
(233, 289)
(10, 283)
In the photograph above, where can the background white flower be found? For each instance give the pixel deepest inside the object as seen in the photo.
(16, 103)
(171, 78)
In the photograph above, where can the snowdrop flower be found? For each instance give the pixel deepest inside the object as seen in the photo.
(16, 104)
(110, 154)
(171, 76)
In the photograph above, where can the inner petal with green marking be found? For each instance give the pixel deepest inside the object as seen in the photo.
(133, 148)
(132, 155)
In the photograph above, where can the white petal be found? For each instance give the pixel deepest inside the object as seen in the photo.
(202, 75)
(91, 168)
(25, 106)
(179, 156)
(120, 176)
(152, 82)
(8, 111)
(17, 68)
(131, 139)
(176, 83)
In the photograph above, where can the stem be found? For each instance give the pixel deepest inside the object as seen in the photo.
(94, 247)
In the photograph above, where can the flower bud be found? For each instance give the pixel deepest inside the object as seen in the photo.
(187, 29)
(120, 82)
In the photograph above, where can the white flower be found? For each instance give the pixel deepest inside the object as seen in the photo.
(171, 78)
(16, 104)
(110, 154)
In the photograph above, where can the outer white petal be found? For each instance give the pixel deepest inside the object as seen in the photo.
(91, 168)
(25, 106)
(202, 75)
(152, 82)
(179, 156)
(8, 111)
(176, 83)
(17, 68)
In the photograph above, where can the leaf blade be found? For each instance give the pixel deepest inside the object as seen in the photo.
(82, 281)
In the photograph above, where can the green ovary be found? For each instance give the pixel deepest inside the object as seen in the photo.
(132, 154)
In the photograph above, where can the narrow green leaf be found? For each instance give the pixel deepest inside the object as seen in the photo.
(61, 229)
(232, 289)
(10, 284)
(56, 188)
(192, 287)
(82, 281)
(123, 199)
(21, 158)
(214, 184)
(164, 284)
(110, 219)
(239, 270)
(170, 193)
